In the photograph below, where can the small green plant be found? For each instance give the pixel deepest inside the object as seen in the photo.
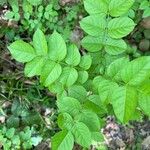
(117, 84)
(10, 138)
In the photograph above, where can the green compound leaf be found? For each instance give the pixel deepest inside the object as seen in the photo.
(92, 44)
(73, 56)
(86, 62)
(115, 46)
(96, 6)
(22, 51)
(40, 43)
(119, 7)
(69, 76)
(136, 71)
(120, 27)
(82, 134)
(124, 101)
(93, 25)
(69, 105)
(34, 67)
(63, 140)
(57, 47)
(90, 119)
(50, 73)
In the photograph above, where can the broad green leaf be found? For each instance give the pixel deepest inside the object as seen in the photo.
(97, 137)
(90, 119)
(105, 89)
(63, 140)
(120, 27)
(124, 101)
(93, 25)
(82, 134)
(95, 84)
(73, 56)
(82, 76)
(116, 66)
(96, 6)
(144, 102)
(40, 43)
(86, 61)
(78, 92)
(22, 51)
(50, 73)
(34, 67)
(119, 7)
(57, 47)
(65, 121)
(69, 76)
(92, 44)
(69, 105)
(115, 46)
(144, 4)
(144, 96)
(136, 71)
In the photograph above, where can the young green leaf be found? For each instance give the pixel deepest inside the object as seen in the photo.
(69, 105)
(120, 27)
(82, 134)
(50, 73)
(34, 67)
(22, 51)
(65, 121)
(40, 43)
(136, 71)
(85, 62)
(124, 101)
(90, 119)
(57, 47)
(115, 46)
(92, 44)
(63, 140)
(69, 76)
(95, 6)
(116, 66)
(78, 92)
(82, 76)
(94, 25)
(119, 7)
(73, 56)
